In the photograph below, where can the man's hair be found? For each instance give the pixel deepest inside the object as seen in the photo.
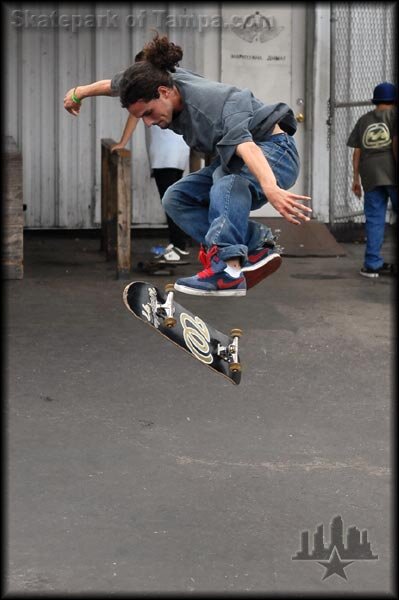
(153, 67)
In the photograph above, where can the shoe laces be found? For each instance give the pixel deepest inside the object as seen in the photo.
(205, 258)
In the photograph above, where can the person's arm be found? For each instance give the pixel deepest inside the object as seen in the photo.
(98, 88)
(130, 126)
(356, 185)
(283, 201)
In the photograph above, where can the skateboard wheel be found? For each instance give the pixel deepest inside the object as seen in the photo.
(169, 287)
(170, 322)
(235, 367)
(236, 333)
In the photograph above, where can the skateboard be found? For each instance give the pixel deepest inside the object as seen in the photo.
(160, 311)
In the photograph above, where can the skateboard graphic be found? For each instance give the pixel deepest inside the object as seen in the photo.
(188, 331)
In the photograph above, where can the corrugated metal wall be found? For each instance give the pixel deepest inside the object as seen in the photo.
(52, 47)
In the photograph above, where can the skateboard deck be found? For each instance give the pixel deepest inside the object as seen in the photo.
(161, 312)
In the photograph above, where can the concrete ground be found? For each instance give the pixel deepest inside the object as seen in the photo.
(133, 468)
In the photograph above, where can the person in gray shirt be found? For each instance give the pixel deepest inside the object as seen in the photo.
(256, 162)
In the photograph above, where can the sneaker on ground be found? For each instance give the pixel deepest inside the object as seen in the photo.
(261, 263)
(213, 280)
(385, 269)
(173, 256)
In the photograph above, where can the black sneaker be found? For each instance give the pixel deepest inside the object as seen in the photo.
(386, 269)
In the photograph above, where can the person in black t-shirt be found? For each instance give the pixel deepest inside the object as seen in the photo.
(374, 139)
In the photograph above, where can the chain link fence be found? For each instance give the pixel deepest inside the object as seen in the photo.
(363, 55)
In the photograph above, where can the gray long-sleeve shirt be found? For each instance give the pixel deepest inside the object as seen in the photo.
(217, 116)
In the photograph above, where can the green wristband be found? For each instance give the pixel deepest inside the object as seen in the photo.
(75, 98)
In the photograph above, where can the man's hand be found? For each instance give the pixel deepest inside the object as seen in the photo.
(118, 146)
(72, 107)
(357, 189)
(287, 204)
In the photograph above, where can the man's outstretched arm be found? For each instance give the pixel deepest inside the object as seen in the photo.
(73, 98)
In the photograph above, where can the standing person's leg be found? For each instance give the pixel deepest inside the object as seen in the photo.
(393, 195)
(375, 206)
(164, 178)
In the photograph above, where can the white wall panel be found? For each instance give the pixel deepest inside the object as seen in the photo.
(112, 54)
(76, 134)
(38, 122)
(45, 58)
(146, 204)
(12, 75)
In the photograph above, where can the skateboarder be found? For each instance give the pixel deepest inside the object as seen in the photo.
(256, 162)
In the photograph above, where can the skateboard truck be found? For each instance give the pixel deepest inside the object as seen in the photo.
(230, 353)
(169, 320)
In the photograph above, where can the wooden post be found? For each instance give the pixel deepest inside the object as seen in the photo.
(104, 191)
(116, 206)
(124, 212)
(12, 212)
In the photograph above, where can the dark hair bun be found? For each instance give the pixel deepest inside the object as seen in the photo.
(163, 54)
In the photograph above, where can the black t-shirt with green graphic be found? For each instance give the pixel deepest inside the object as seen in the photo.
(373, 134)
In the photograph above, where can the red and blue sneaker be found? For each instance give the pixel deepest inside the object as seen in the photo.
(261, 263)
(214, 280)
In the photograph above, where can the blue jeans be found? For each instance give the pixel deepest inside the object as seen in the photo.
(213, 206)
(375, 208)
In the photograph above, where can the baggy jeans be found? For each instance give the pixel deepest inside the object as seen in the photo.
(375, 208)
(213, 206)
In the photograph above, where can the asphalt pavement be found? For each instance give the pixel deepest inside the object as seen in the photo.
(132, 468)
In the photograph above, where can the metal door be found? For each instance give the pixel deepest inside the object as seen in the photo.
(263, 48)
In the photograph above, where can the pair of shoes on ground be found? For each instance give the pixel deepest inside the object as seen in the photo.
(217, 279)
(386, 269)
(172, 255)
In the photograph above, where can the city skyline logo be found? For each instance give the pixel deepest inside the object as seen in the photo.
(336, 556)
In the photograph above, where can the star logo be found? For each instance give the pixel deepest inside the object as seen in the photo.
(335, 565)
(340, 552)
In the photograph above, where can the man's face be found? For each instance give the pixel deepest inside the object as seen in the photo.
(155, 112)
